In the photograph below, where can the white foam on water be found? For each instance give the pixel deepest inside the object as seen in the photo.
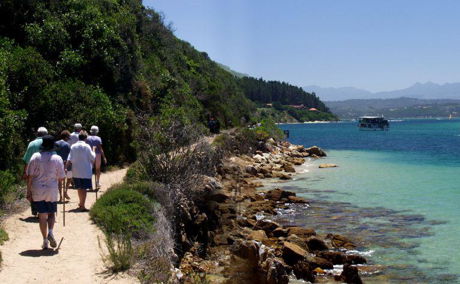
(361, 253)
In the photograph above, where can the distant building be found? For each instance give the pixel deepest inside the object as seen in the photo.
(313, 109)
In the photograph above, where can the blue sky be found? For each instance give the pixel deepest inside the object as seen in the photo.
(375, 45)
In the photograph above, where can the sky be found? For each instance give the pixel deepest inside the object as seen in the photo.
(369, 44)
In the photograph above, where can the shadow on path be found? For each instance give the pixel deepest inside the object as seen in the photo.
(39, 252)
(78, 210)
(30, 219)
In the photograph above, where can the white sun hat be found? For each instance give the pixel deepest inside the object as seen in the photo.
(94, 129)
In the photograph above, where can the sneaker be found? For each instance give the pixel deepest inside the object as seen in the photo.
(45, 244)
(53, 243)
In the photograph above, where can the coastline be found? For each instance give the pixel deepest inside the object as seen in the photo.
(246, 244)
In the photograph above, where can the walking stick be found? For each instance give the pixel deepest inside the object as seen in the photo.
(63, 204)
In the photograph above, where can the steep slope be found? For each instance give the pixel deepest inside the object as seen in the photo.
(103, 62)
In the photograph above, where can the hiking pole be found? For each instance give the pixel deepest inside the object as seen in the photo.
(63, 204)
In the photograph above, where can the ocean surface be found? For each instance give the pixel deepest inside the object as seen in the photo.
(396, 193)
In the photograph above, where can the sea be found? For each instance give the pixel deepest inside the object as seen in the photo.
(396, 193)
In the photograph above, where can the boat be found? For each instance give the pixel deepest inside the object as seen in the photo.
(373, 123)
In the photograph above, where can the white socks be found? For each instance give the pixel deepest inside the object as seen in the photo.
(50, 232)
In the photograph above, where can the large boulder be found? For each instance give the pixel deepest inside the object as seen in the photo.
(303, 270)
(277, 194)
(301, 232)
(355, 259)
(339, 241)
(298, 241)
(251, 170)
(335, 257)
(284, 176)
(317, 151)
(258, 235)
(287, 167)
(349, 275)
(267, 226)
(280, 232)
(293, 253)
(248, 250)
(320, 262)
(295, 199)
(266, 206)
(316, 244)
(275, 271)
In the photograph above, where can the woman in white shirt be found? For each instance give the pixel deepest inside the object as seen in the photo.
(44, 171)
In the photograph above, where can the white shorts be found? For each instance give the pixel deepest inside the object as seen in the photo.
(69, 174)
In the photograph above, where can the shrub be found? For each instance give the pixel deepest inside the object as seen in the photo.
(136, 173)
(8, 188)
(3, 236)
(242, 141)
(120, 252)
(157, 253)
(268, 129)
(124, 211)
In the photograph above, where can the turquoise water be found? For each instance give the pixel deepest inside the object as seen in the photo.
(396, 192)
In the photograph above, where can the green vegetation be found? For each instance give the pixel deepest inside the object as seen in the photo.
(3, 237)
(101, 62)
(113, 63)
(120, 252)
(287, 102)
(124, 211)
(265, 92)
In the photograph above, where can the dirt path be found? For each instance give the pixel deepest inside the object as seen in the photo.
(77, 261)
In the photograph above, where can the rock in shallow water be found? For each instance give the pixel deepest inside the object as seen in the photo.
(324, 166)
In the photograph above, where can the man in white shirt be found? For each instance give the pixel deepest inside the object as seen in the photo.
(82, 158)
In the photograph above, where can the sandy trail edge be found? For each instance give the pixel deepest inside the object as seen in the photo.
(79, 258)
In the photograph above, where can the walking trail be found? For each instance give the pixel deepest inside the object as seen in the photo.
(79, 258)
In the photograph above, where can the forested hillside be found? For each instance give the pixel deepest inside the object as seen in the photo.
(288, 101)
(105, 62)
(263, 91)
(101, 62)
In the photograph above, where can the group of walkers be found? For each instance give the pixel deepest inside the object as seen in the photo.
(50, 162)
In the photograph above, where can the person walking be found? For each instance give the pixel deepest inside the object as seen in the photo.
(63, 150)
(72, 140)
(32, 148)
(95, 142)
(74, 136)
(81, 158)
(44, 172)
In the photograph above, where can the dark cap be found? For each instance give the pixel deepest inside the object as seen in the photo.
(48, 143)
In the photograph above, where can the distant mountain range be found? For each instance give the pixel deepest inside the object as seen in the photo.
(427, 90)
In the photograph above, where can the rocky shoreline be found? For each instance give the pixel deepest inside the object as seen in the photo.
(231, 238)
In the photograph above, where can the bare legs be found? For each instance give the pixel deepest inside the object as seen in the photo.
(43, 221)
(97, 168)
(82, 197)
(46, 222)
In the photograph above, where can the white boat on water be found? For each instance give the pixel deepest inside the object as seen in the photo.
(373, 123)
